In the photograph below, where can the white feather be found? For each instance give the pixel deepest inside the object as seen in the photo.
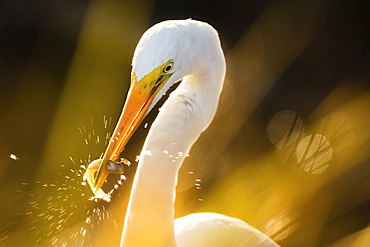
(199, 61)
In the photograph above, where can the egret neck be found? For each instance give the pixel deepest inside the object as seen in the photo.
(150, 216)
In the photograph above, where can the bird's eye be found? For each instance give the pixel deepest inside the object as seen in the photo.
(168, 67)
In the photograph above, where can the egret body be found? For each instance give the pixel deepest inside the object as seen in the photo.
(168, 52)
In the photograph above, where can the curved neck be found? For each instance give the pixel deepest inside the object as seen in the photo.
(187, 112)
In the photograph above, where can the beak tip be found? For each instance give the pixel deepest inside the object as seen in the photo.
(96, 174)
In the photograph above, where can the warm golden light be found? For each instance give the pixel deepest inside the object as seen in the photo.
(314, 153)
(288, 151)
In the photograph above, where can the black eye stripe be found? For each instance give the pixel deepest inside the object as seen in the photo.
(158, 81)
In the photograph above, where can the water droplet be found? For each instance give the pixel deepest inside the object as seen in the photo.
(13, 156)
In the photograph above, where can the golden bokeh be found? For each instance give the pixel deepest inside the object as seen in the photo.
(298, 170)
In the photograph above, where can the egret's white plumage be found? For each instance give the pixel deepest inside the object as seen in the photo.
(217, 230)
(170, 51)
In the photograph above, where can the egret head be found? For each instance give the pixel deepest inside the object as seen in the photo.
(169, 51)
(165, 54)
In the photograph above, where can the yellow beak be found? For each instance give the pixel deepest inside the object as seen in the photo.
(139, 99)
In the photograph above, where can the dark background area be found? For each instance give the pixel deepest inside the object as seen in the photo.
(52, 52)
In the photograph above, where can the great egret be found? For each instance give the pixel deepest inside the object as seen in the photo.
(168, 52)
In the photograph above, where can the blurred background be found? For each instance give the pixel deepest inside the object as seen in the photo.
(288, 151)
